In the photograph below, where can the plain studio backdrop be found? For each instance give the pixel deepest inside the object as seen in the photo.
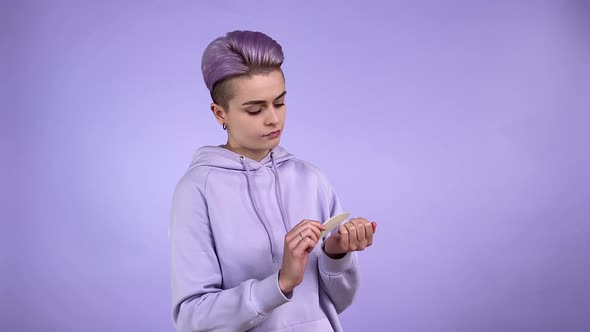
(461, 127)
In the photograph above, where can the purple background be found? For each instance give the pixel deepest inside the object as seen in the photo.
(462, 128)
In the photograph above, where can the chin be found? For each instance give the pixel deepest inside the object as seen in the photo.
(275, 144)
(269, 145)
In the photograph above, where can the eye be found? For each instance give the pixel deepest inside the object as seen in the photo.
(280, 105)
(255, 112)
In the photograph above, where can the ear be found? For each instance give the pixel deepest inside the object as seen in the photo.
(218, 113)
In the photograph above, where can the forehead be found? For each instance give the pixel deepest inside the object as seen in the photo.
(259, 87)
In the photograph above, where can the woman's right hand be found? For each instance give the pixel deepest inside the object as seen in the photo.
(299, 243)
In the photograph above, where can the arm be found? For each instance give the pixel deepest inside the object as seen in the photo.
(339, 278)
(199, 302)
(339, 275)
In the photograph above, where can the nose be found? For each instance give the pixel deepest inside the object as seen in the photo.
(272, 118)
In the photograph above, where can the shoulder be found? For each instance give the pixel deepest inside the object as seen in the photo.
(194, 180)
(311, 170)
(306, 166)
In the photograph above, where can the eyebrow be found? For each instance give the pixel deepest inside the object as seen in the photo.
(256, 102)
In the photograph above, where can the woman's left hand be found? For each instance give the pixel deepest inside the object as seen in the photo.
(355, 235)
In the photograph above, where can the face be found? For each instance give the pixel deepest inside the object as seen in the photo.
(256, 114)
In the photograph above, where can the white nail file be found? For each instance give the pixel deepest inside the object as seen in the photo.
(333, 222)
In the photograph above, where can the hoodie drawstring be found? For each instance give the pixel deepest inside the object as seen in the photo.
(278, 190)
(279, 199)
(249, 181)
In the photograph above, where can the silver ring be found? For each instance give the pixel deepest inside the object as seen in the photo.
(301, 236)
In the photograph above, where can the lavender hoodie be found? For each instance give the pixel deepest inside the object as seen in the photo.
(228, 221)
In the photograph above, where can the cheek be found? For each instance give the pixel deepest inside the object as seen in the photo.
(248, 128)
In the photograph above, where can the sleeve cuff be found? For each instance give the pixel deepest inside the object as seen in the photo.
(337, 266)
(267, 296)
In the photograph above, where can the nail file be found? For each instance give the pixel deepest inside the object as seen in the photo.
(333, 222)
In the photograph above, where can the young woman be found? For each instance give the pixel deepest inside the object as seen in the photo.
(246, 217)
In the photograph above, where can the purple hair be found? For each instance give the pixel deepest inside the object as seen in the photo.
(238, 53)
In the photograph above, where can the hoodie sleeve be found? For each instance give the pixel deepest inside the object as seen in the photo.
(339, 278)
(199, 302)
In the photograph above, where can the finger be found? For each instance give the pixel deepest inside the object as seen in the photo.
(316, 231)
(353, 230)
(293, 233)
(308, 223)
(306, 244)
(360, 232)
(311, 232)
(369, 233)
(311, 248)
(294, 236)
(374, 225)
(314, 228)
(352, 239)
(344, 241)
(296, 241)
(367, 228)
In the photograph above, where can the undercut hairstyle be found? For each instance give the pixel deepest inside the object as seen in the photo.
(238, 54)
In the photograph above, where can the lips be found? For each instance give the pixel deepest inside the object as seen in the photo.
(274, 133)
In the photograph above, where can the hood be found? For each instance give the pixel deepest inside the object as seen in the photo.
(218, 156)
